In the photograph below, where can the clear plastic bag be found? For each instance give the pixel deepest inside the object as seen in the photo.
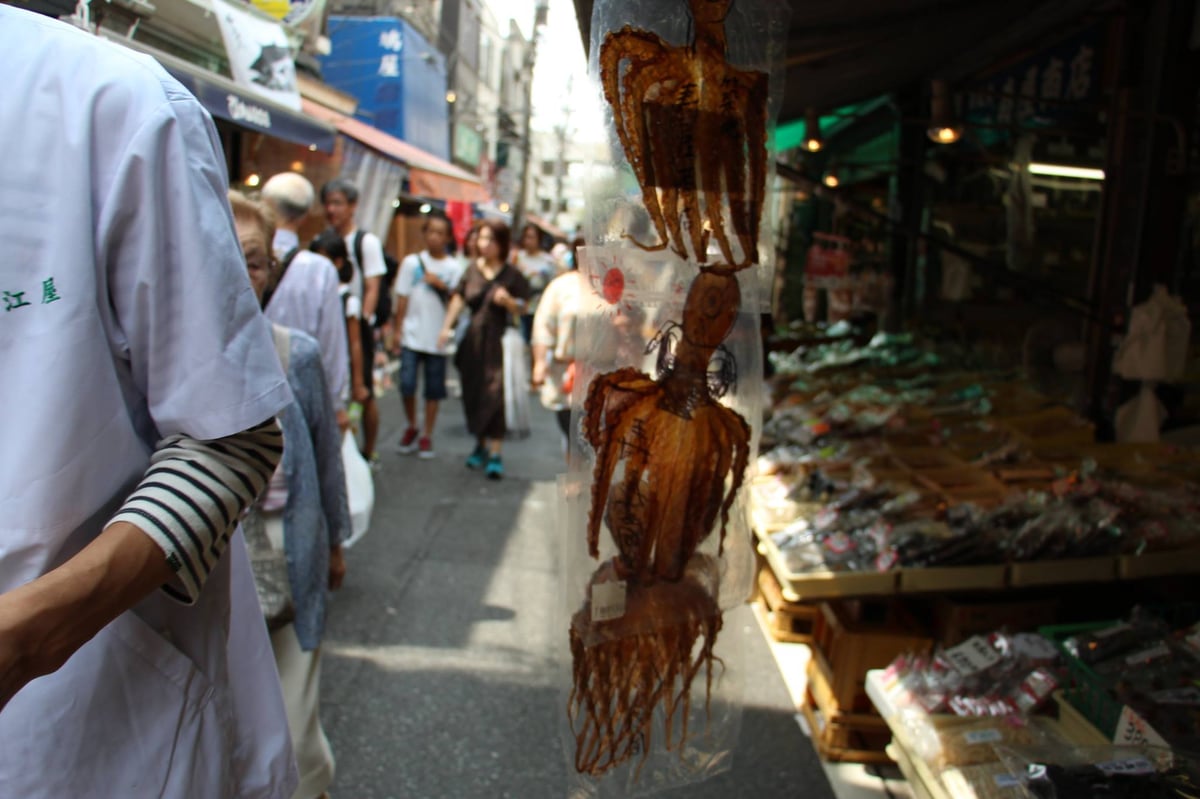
(668, 391)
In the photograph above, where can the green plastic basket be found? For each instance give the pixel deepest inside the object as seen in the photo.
(1087, 692)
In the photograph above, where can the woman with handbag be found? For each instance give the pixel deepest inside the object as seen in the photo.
(494, 292)
(296, 529)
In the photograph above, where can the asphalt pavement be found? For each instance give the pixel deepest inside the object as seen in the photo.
(445, 652)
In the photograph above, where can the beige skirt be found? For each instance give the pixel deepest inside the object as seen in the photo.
(300, 679)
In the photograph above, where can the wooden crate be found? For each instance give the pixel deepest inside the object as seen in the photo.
(841, 736)
(848, 642)
(958, 618)
(790, 622)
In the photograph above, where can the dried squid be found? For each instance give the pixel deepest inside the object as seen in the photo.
(694, 130)
(669, 462)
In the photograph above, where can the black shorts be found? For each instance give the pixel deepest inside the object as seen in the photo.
(368, 354)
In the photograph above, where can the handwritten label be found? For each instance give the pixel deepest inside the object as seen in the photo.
(1133, 730)
(1131, 766)
(977, 737)
(608, 601)
(972, 656)
(1177, 696)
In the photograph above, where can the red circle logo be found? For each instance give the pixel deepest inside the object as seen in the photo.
(614, 285)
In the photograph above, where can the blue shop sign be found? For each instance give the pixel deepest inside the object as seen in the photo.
(398, 77)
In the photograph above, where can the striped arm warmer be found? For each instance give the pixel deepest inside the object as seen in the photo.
(193, 494)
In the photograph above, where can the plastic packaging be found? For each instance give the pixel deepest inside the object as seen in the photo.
(668, 390)
(1061, 771)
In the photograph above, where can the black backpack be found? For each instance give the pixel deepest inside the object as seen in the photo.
(383, 309)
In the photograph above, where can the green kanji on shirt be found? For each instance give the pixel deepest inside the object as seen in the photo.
(49, 292)
(14, 300)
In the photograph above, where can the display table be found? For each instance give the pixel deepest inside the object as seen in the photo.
(949, 784)
(814, 586)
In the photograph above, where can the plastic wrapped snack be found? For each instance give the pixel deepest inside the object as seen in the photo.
(1102, 772)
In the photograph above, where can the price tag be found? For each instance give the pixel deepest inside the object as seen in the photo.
(1177, 696)
(1007, 781)
(1109, 631)
(972, 656)
(977, 737)
(1133, 730)
(608, 601)
(1132, 766)
(1146, 655)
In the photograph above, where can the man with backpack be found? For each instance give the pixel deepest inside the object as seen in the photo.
(305, 296)
(340, 198)
(422, 291)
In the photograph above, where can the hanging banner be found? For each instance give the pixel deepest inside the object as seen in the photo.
(292, 12)
(260, 56)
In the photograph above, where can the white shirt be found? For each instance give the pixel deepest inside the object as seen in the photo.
(373, 264)
(307, 299)
(126, 315)
(426, 311)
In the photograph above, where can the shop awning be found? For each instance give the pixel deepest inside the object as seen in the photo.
(225, 99)
(428, 175)
(547, 226)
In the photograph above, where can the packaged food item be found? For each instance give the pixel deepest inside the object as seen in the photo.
(983, 781)
(1061, 771)
(975, 742)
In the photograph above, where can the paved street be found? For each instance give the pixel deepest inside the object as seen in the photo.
(444, 656)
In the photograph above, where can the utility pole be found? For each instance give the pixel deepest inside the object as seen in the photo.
(539, 19)
(561, 131)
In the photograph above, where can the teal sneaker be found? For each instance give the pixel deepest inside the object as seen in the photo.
(495, 468)
(477, 459)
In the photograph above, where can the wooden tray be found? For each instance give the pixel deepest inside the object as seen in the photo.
(954, 578)
(1063, 572)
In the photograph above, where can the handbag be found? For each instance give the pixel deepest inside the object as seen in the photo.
(516, 383)
(268, 563)
(270, 568)
(360, 489)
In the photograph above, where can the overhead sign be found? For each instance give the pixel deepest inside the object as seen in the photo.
(1044, 87)
(260, 56)
(468, 145)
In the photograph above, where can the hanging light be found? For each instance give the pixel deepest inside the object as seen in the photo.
(812, 131)
(943, 127)
(831, 178)
(252, 180)
(451, 96)
(425, 208)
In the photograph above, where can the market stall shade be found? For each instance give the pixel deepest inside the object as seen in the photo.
(429, 176)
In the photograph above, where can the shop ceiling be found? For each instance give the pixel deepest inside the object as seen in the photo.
(841, 52)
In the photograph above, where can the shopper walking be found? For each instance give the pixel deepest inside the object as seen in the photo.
(493, 292)
(138, 372)
(304, 514)
(554, 327)
(304, 295)
(539, 268)
(340, 198)
(423, 290)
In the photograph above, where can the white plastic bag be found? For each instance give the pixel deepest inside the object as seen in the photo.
(516, 383)
(360, 488)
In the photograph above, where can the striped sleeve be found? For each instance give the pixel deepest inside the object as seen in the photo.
(193, 494)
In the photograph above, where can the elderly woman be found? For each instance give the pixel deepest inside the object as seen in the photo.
(494, 292)
(304, 513)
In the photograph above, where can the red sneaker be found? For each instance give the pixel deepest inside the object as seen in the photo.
(425, 448)
(408, 444)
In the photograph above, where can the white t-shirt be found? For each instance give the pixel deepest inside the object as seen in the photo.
(126, 315)
(373, 264)
(426, 311)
